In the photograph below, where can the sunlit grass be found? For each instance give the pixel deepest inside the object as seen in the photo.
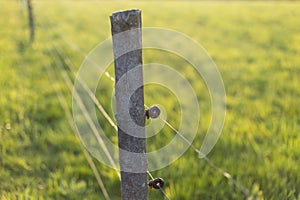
(256, 46)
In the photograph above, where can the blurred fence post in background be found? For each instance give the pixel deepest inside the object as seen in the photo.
(127, 44)
(30, 20)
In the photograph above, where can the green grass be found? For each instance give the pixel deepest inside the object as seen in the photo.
(256, 46)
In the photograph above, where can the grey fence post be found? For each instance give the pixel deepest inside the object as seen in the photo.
(30, 20)
(127, 44)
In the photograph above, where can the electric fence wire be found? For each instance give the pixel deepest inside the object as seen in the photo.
(64, 105)
(93, 97)
(227, 175)
(68, 82)
(85, 86)
(201, 155)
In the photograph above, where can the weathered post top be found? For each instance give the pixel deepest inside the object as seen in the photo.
(130, 115)
(125, 20)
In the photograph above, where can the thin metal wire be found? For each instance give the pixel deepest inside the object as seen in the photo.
(164, 193)
(150, 175)
(72, 68)
(86, 88)
(160, 188)
(100, 107)
(223, 172)
(64, 105)
(83, 108)
(201, 155)
(76, 48)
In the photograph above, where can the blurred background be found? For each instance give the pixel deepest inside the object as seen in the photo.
(256, 46)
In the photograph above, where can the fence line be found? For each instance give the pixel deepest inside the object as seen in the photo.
(86, 88)
(64, 105)
(68, 82)
(72, 68)
(83, 54)
(201, 155)
(215, 167)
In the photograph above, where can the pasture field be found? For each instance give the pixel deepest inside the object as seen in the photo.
(256, 46)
